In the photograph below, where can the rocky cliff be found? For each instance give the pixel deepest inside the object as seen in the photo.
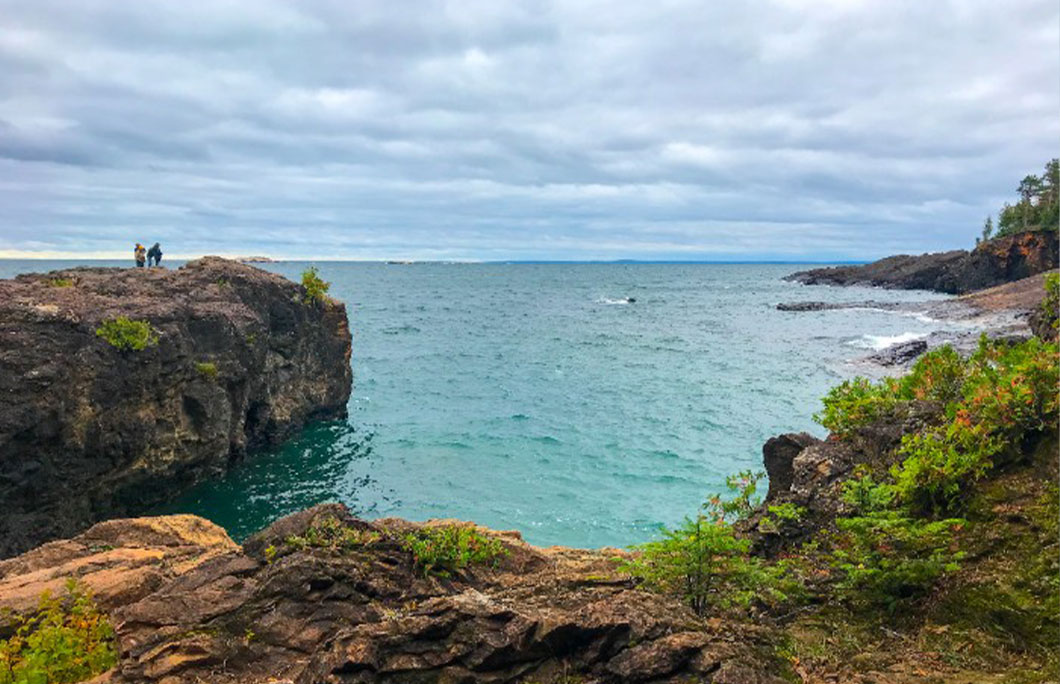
(235, 359)
(992, 263)
(190, 606)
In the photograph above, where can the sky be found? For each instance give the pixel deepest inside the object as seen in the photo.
(486, 130)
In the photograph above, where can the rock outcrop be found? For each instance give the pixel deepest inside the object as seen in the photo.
(204, 610)
(89, 431)
(998, 261)
(809, 473)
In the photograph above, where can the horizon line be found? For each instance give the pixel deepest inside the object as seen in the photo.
(64, 256)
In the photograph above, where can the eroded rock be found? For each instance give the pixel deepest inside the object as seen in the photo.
(89, 432)
(217, 613)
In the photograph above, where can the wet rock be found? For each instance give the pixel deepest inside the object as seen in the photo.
(89, 432)
(899, 354)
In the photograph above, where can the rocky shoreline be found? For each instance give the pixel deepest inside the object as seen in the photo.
(321, 597)
(998, 261)
(233, 359)
(189, 605)
(1003, 311)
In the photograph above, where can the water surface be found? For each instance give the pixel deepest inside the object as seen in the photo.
(534, 397)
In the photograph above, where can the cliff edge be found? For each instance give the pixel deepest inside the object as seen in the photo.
(320, 597)
(1002, 260)
(233, 358)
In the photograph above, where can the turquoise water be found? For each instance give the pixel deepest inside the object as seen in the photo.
(532, 397)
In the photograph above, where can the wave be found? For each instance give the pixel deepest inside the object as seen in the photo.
(878, 342)
(624, 300)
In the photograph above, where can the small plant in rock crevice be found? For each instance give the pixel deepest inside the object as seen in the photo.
(327, 533)
(207, 369)
(125, 334)
(66, 640)
(314, 287)
(446, 550)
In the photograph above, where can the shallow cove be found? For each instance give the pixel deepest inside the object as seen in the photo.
(534, 397)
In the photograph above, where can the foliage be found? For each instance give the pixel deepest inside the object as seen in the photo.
(125, 334)
(327, 533)
(1007, 392)
(315, 287)
(60, 282)
(1050, 304)
(703, 561)
(991, 400)
(937, 376)
(855, 403)
(444, 550)
(988, 229)
(888, 558)
(743, 486)
(208, 369)
(778, 516)
(699, 561)
(1038, 207)
(66, 640)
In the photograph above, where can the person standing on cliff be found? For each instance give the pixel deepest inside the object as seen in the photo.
(154, 255)
(139, 254)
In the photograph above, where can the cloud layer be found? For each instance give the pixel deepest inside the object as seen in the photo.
(487, 130)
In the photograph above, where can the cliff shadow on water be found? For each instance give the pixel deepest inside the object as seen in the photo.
(311, 468)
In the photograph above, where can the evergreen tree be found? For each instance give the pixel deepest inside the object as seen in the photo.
(1038, 207)
(988, 228)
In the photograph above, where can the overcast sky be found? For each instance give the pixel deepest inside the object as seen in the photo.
(504, 130)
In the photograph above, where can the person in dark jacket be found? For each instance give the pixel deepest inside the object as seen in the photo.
(154, 254)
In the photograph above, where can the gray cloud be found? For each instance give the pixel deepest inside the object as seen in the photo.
(674, 129)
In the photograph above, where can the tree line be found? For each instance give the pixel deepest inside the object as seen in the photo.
(1038, 207)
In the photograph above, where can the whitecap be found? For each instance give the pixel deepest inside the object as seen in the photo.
(877, 342)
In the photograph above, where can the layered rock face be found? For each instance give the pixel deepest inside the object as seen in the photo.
(89, 431)
(998, 261)
(197, 608)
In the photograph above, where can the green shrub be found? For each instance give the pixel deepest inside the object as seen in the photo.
(701, 561)
(1050, 304)
(208, 369)
(889, 560)
(60, 282)
(66, 640)
(742, 502)
(315, 288)
(1008, 392)
(328, 533)
(778, 516)
(125, 334)
(991, 402)
(855, 403)
(444, 550)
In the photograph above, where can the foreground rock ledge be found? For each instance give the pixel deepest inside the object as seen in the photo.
(89, 432)
(190, 606)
